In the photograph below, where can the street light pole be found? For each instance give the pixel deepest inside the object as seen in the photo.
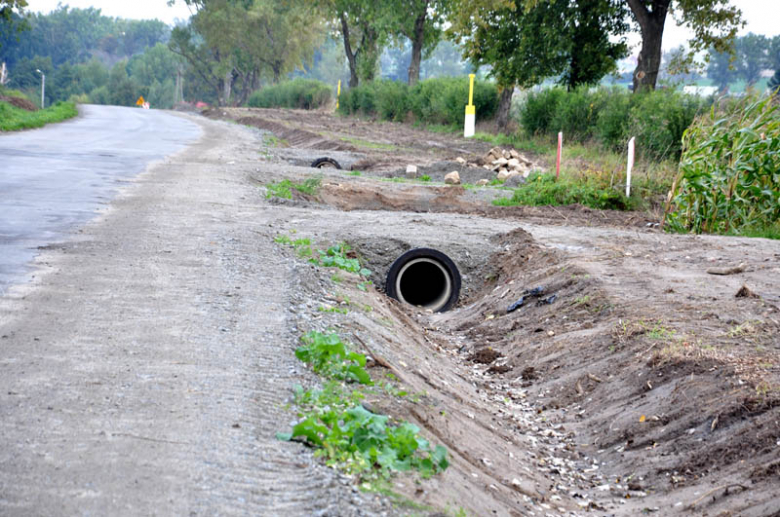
(43, 88)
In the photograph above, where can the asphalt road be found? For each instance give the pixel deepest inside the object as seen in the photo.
(54, 179)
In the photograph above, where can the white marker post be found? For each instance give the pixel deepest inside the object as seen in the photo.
(469, 127)
(558, 158)
(631, 148)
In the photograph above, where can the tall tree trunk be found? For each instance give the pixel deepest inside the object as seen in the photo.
(651, 24)
(368, 53)
(418, 36)
(504, 105)
(277, 68)
(351, 57)
(227, 86)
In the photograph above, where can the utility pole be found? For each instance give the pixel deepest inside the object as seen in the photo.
(43, 88)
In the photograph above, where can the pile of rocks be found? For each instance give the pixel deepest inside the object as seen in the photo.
(507, 163)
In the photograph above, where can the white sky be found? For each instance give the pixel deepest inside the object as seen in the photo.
(761, 15)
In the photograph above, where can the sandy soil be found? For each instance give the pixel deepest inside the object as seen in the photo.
(645, 386)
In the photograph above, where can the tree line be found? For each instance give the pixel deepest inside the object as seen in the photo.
(230, 48)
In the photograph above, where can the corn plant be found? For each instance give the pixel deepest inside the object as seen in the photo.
(729, 176)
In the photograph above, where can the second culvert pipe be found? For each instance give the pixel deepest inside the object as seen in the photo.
(425, 278)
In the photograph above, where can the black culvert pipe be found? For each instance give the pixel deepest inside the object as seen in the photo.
(425, 278)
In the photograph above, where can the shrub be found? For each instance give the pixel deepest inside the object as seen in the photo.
(296, 94)
(728, 179)
(433, 101)
(443, 100)
(658, 120)
(538, 111)
(612, 124)
(578, 112)
(612, 116)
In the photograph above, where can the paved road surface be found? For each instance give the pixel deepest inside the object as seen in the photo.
(54, 179)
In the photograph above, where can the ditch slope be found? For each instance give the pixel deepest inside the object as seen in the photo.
(649, 384)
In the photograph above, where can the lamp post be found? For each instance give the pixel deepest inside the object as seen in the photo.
(43, 88)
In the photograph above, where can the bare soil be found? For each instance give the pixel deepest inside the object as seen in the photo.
(19, 103)
(647, 385)
(644, 386)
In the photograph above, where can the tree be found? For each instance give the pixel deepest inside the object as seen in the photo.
(445, 60)
(233, 44)
(721, 69)
(752, 56)
(123, 91)
(11, 12)
(420, 21)
(773, 56)
(524, 45)
(774, 82)
(714, 24)
(364, 27)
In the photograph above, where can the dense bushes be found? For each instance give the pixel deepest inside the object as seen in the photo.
(298, 93)
(434, 101)
(611, 117)
(729, 179)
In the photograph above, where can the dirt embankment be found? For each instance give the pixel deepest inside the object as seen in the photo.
(633, 382)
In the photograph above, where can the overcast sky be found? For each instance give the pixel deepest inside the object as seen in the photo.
(761, 15)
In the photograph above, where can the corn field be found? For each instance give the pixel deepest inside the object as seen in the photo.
(729, 176)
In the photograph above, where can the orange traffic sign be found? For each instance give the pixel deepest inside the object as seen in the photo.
(140, 101)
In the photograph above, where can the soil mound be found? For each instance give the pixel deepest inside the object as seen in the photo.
(19, 102)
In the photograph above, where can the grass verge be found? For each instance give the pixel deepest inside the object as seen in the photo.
(15, 119)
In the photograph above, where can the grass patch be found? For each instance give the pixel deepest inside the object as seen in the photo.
(15, 119)
(354, 173)
(766, 232)
(271, 140)
(545, 190)
(283, 189)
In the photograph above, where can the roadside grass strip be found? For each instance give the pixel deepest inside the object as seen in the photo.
(15, 119)
(350, 437)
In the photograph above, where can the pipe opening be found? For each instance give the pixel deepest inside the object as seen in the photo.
(424, 282)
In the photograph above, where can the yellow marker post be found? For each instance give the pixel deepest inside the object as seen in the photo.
(471, 111)
(338, 94)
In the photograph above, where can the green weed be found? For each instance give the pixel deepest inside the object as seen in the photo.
(283, 189)
(338, 310)
(336, 256)
(330, 357)
(358, 441)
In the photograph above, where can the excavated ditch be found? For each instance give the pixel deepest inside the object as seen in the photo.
(631, 382)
